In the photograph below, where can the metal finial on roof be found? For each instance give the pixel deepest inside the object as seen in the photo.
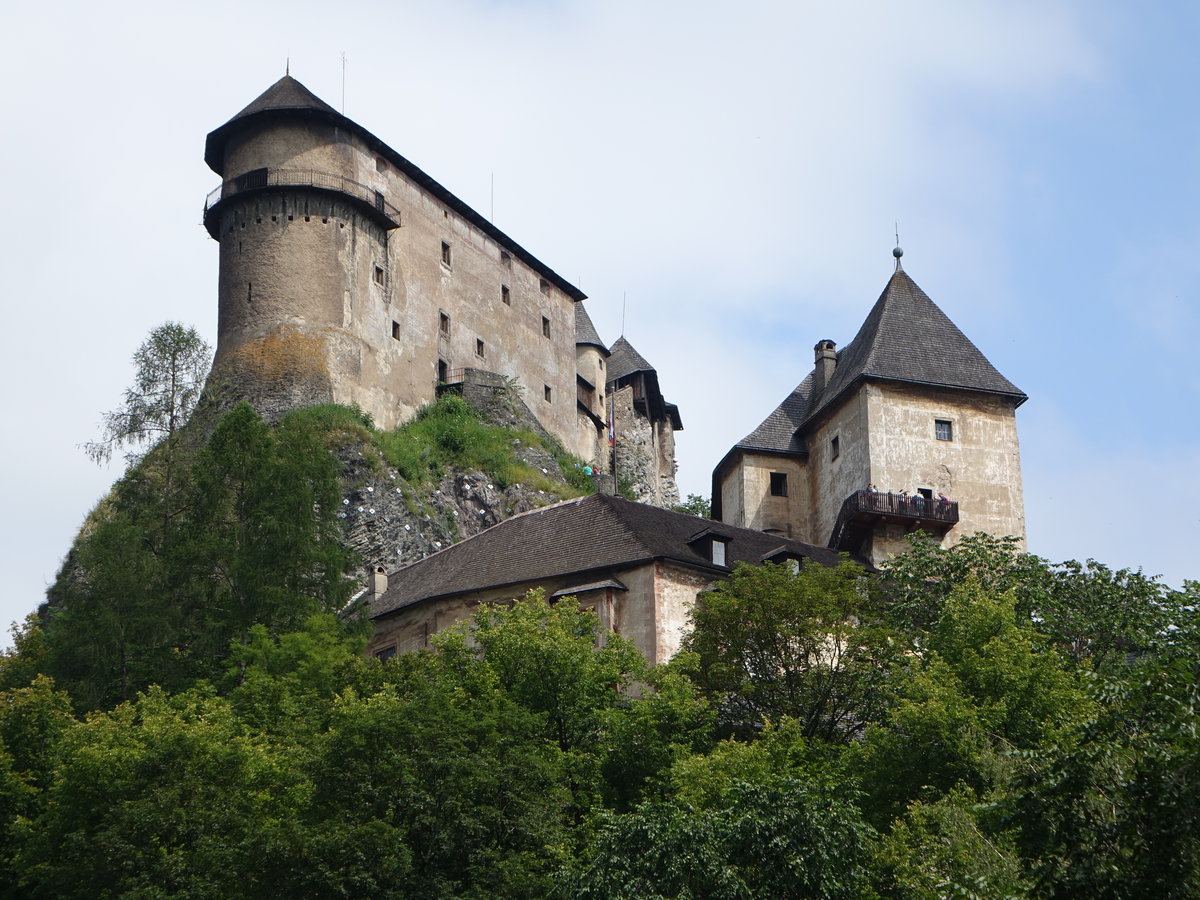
(898, 250)
(287, 65)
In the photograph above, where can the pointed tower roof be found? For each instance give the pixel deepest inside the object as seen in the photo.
(287, 96)
(625, 360)
(906, 337)
(585, 331)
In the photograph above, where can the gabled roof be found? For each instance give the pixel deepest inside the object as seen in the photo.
(585, 331)
(289, 99)
(907, 338)
(625, 360)
(596, 534)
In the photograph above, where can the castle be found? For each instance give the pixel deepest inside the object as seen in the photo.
(349, 275)
(907, 427)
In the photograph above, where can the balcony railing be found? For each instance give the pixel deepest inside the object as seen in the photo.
(863, 508)
(258, 179)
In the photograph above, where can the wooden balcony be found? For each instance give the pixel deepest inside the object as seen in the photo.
(863, 510)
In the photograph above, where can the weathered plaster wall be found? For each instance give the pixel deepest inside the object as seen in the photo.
(675, 591)
(746, 499)
(833, 480)
(307, 260)
(980, 468)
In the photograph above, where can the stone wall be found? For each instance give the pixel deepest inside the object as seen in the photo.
(644, 453)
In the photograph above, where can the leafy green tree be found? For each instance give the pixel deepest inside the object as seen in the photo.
(168, 796)
(772, 643)
(695, 505)
(754, 829)
(171, 365)
(983, 686)
(1111, 809)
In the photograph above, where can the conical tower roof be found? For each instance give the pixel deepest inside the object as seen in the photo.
(906, 337)
(625, 360)
(287, 96)
(585, 331)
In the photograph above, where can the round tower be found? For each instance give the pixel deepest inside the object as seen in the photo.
(302, 219)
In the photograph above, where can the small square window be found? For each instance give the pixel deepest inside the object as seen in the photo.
(396, 331)
(445, 254)
(505, 295)
(479, 348)
(835, 447)
(379, 275)
(779, 484)
(544, 285)
(443, 325)
(943, 429)
(545, 327)
(547, 393)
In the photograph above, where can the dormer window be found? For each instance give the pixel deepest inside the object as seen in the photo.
(711, 544)
(718, 552)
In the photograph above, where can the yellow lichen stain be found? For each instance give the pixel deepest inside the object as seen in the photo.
(284, 353)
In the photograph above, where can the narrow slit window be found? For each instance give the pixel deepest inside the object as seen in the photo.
(443, 325)
(547, 393)
(835, 447)
(505, 295)
(479, 348)
(379, 275)
(943, 429)
(506, 259)
(395, 331)
(544, 285)
(445, 254)
(545, 327)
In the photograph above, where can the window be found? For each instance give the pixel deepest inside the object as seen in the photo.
(544, 285)
(386, 653)
(718, 553)
(445, 254)
(479, 348)
(943, 429)
(545, 327)
(547, 393)
(505, 295)
(444, 325)
(443, 371)
(379, 275)
(396, 331)
(835, 447)
(779, 484)
(506, 259)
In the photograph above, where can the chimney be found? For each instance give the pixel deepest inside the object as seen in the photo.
(826, 359)
(379, 583)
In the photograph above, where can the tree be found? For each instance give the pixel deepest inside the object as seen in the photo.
(171, 367)
(774, 643)
(695, 505)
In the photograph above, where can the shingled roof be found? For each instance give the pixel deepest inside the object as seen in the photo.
(906, 337)
(625, 360)
(590, 537)
(780, 431)
(585, 331)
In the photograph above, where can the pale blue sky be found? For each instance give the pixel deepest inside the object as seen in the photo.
(735, 168)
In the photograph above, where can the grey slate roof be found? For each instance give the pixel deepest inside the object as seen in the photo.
(625, 360)
(593, 534)
(585, 331)
(906, 337)
(289, 98)
(779, 432)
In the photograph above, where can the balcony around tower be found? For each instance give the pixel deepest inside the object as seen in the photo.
(863, 510)
(369, 200)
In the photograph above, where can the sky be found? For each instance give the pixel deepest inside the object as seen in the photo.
(732, 173)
